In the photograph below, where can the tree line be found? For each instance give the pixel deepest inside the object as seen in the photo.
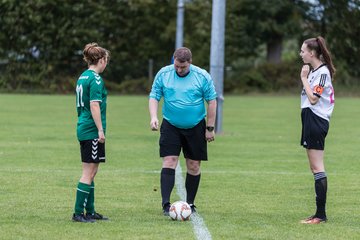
(41, 41)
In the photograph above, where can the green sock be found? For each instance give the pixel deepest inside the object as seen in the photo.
(90, 207)
(82, 195)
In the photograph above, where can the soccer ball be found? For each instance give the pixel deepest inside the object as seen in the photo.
(180, 211)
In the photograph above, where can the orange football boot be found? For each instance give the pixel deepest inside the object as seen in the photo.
(313, 220)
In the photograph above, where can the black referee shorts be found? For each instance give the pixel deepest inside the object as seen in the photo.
(192, 141)
(92, 151)
(314, 130)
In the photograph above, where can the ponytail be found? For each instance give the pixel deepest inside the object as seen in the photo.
(319, 46)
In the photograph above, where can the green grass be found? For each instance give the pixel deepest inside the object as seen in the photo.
(256, 184)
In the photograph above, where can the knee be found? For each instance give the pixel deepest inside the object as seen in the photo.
(316, 169)
(88, 176)
(170, 162)
(193, 167)
(93, 174)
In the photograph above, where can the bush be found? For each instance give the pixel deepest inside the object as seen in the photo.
(132, 86)
(264, 78)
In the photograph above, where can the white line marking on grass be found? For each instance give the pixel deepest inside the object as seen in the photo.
(200, 229)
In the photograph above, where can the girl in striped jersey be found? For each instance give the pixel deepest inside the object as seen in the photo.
(317, 104)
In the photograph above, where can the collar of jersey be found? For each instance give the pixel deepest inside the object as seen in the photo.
(319, 67)
(182, 76)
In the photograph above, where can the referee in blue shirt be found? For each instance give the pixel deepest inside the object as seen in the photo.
(186, 124)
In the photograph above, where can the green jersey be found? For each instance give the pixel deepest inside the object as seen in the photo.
(90, 87)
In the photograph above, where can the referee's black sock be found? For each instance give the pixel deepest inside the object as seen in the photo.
(191, 184)
(167, 181)
(320, 190)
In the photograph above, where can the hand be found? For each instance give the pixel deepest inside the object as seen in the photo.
(209, 136)
(154, 124)
(101, 136)
(305, 71)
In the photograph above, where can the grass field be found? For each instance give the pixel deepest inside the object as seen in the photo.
(256, 184)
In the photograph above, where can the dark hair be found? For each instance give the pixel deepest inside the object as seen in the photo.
(93, 53)
(183, 54)
(319, 46)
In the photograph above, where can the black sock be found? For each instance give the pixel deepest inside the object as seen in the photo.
(167, 181)
(191, 184)
(320, 190)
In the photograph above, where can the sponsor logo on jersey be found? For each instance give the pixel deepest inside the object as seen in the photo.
(83, 77)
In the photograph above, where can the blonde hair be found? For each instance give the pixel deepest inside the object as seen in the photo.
(93, 53)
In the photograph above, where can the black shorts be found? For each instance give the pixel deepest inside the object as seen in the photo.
(92, 151)
(314, 130)
(192, 141)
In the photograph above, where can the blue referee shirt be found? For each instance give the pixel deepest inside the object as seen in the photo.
(184, 97)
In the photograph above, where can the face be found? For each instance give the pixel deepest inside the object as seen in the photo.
(306, 54)
(182, 68)
(103, 63)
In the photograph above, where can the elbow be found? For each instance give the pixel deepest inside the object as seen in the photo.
(212, 102)
(94, 106)
(313, 101)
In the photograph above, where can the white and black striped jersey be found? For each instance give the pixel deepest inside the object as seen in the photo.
(320, 82)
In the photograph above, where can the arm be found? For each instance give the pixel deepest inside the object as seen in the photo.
(211, 113)
(153, 109)
(95, 112)
(210, 120)
(309, 92)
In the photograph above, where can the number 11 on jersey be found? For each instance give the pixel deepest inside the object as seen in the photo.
(79, 94)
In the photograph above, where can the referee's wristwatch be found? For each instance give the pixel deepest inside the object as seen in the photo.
(210, 128)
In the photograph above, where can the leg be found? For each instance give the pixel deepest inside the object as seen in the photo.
(84, 186)
(193, 167)
(316, 160)
(89, 172)
(83, 190)
(167, 178)
(192, 179)
(170, 148)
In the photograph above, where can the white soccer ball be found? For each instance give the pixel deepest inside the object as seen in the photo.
(180, 211)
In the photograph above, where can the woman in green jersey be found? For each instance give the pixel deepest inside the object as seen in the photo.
(91, 126)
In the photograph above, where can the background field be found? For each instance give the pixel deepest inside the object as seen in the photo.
(256, 185)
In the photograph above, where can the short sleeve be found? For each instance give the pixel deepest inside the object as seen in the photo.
(209, 88)
(96, 88)
(157, 88)
(320, 84)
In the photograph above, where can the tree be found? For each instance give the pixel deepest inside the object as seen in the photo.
(262, 22)
(338, 21)
(42, 41)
